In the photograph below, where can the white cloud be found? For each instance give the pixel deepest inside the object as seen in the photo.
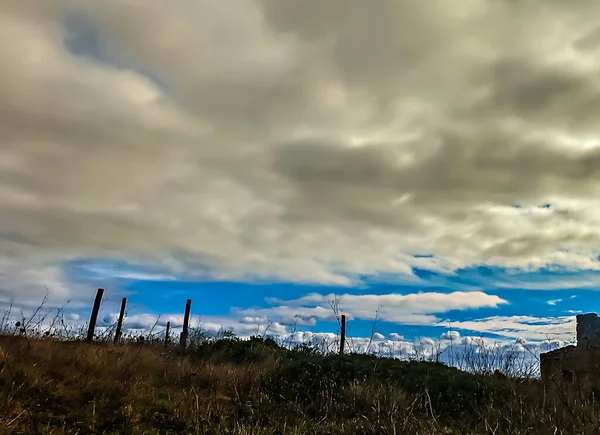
(415, 308)
(549, 282)
(522, 327)
(268, 139)
(450, 335)
(102, 273)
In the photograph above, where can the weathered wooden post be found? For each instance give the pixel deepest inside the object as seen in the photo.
(94, 316)
(118, 332)
(186, 321)
(343, 334)
(167, 332)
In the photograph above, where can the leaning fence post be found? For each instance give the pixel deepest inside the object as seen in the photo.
(343, 334)
(94, 316)
(118, 332)
(186, 320)
(167, 333)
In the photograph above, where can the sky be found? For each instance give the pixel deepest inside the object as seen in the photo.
(434, 169)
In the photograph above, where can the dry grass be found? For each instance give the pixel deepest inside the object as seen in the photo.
(56, 387)
(73, 387)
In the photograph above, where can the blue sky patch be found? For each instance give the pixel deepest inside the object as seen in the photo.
(530, 295)
(84, 38)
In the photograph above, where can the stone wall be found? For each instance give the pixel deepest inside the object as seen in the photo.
(558, 363)
(581, 363)
(588, 331)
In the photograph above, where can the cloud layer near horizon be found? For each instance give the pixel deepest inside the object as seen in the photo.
(296, 140)
(409, 309)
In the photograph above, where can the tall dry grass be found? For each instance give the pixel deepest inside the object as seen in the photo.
(50, 386)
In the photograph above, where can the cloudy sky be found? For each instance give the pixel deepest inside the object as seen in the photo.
(435, 166)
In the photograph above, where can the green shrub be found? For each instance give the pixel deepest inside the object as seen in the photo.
(255, 350)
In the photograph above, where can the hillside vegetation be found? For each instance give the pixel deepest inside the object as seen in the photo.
(232, 386)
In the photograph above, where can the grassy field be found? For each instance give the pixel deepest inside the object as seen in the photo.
(232, 386)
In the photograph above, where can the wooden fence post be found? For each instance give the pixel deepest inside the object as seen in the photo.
(186, 321)
(343, 334)
(167, 332)
(118, 332)
(94, 316)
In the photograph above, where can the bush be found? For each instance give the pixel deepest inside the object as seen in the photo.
(255, 350)
(451, 392)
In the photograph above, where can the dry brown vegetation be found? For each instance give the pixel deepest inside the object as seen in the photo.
(231, 386)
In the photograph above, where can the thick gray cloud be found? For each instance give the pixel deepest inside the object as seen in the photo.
(299, 140)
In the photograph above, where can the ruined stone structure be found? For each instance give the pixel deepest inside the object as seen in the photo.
(581, 363)
(588, 331)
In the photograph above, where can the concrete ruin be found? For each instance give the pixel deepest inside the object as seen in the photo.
(576, 364)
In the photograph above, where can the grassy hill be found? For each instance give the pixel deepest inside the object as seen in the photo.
(233, 386)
